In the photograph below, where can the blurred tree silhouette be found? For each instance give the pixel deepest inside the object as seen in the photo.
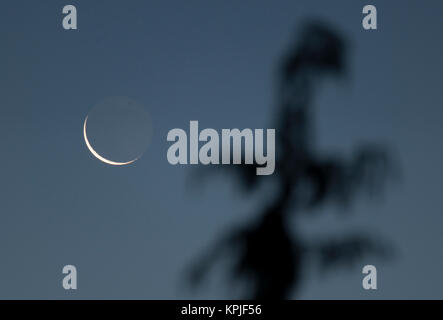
(266, 252)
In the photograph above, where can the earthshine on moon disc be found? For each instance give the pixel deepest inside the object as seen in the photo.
(117, 128)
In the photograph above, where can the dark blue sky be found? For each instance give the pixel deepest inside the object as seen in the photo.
(132, 230)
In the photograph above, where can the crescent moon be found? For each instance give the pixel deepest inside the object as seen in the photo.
(99, 157)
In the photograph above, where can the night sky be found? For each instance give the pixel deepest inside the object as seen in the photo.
(131, 231)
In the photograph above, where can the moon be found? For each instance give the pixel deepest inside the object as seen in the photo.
(99, 157)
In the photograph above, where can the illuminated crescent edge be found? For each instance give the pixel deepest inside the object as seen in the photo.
(99, 157)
